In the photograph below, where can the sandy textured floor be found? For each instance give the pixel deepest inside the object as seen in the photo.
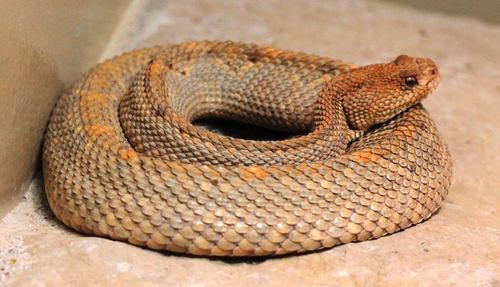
(459, 246)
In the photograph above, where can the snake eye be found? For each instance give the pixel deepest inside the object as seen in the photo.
(411, 81)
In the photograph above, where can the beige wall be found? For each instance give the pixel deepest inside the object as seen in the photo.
(44, 46)
(484, 10)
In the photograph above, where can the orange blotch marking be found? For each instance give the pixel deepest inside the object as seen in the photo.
(258, 172)
(95, 131)
(127, 154)
(363, 157)
(89, 99)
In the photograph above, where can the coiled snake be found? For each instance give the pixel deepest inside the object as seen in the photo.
(122, 159)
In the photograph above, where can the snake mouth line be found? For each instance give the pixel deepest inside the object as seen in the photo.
(432, 84)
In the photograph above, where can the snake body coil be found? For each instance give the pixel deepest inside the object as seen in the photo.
(122, 159)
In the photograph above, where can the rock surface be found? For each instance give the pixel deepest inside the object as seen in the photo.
(458, 246)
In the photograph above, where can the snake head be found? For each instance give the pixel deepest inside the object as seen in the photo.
(378, 92)
(419, 71)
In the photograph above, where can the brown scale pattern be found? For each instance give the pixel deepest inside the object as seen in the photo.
(121, 158)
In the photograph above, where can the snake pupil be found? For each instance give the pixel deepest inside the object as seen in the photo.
(411, 81)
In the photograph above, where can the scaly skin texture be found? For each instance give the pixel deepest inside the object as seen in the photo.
(121, 158)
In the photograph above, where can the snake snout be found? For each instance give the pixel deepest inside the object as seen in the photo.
(429, 73)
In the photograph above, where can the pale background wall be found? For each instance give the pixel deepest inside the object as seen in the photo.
(44, 46)
(485, 10)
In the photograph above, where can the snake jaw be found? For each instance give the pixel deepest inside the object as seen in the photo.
(432, 85)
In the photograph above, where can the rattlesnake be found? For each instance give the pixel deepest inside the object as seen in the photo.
(367, 160)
